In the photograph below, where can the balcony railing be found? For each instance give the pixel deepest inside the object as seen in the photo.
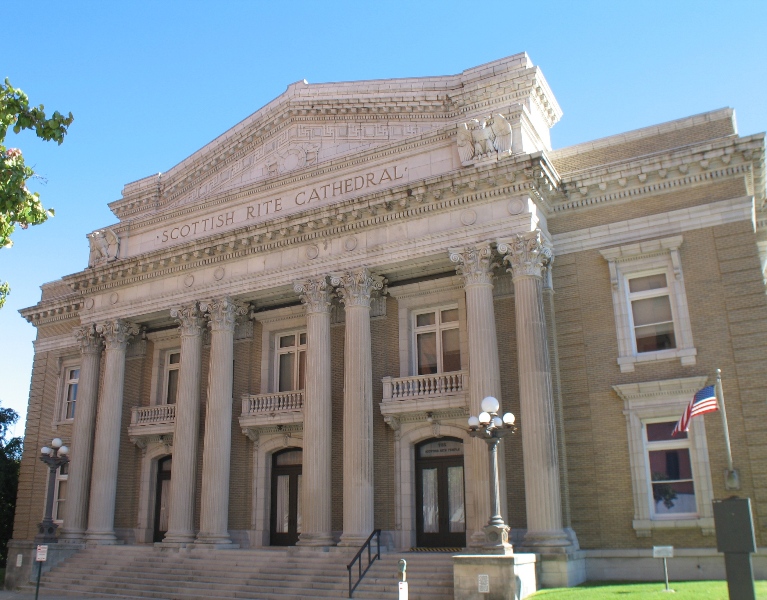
(273, 403)
(152, 415)
(425, 386)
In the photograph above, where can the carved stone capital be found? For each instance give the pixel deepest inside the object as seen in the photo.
(190, 320)
(223, 312)
(475, 263)
(117, 333)
(315, 293)
(355, 287)
(526, 254)
(89, 341)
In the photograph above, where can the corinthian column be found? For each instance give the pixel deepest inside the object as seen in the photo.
(181, 518)
(475, 263)
(529, 258)
(214, 511)
(76, 519)
(101, 514)
(355, 288)
(318, 412)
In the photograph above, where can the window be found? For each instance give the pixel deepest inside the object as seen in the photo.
(171, 377)
(671, 476)
(60, 493)
(290, 367)
(70, 391)
(437, 341)
(649, 303)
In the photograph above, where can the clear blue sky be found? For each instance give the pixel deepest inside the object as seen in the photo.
(151, 82)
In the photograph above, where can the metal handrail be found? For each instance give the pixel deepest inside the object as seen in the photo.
(358, 560)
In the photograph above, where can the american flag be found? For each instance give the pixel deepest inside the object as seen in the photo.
(704, 401)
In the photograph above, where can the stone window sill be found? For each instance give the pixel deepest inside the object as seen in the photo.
(686, 356)
(644, 527)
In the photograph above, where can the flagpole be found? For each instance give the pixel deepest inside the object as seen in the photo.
(731, 481)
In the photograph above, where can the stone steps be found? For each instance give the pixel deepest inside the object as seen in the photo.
(270, 574)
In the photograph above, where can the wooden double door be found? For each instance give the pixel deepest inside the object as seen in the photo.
(162, 498)
(286, 497)
(440, 498)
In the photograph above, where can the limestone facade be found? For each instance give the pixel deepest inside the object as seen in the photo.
(349, 271)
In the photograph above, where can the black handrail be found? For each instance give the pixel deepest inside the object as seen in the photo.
(357, 558)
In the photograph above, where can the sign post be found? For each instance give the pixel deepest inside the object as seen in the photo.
(40, 556)
(664, 552)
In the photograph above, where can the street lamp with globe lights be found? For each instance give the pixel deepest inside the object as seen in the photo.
(491, 427)
(54, 457)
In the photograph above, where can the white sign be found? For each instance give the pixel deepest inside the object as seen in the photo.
(42, 554)
(403, 590)
(483, 584)
(663, 552)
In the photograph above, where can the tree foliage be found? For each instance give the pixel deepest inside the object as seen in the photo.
(10, 461)
(19, 206)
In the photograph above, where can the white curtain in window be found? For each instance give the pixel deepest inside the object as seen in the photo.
(298, 507)
(430, 505)
(282, 504)
(455, 502)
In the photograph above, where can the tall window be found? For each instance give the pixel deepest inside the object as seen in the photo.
(437, 344)
(291, 361)
(71, 381)
(651, 313)
(60, 493)
(171, 377)
(670, 471)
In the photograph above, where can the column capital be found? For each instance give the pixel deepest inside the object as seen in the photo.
(356, 286)
(223, 312)
(315, 294)
(475, 263)
(88, 339)
(117, 332)
(526, 254)
(190, 319)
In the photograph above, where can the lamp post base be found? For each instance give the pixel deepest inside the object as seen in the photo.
(47, 532)
(497, 539)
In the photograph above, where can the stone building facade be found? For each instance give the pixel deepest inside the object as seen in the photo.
(281, 339)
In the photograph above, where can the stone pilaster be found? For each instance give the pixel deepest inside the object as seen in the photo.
(214, 510)
(106, 451)
(182, 483)
(529, 258)
(355, 288)
(475, 264)
(318, 415)
(81, 454)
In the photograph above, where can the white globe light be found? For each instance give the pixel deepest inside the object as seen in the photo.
(473, 422)
(56, 443)
(490, 405)
(484, 418)
(497, 422)
(509, 418)
(45, 450)
(63, 450)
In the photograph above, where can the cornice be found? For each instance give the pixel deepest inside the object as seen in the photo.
(53, 311)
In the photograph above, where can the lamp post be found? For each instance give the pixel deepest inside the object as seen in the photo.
(54, 457)
(491, 428)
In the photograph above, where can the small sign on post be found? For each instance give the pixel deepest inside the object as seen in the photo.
(664, 552)
(42, 553)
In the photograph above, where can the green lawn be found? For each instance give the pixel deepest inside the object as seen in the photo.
(684, 590)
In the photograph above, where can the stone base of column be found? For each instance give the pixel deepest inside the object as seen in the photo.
(102, 538)
(507, 576)
(476, 539)
(72, 536)
(353, 540)
(316, 540)
(559, 541)
(214, 540)
(177, 538)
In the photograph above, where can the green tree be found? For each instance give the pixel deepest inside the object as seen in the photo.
(19, 206)
(10, 461)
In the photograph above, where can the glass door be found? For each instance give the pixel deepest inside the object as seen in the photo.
(162, 498)
(286, 497)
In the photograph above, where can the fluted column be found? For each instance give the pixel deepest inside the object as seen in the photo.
(475, 263)
(106, 451)
(318, 415)
(76, 518)
(182, 482)
(214, 510)
(355, 288)
(529, 258)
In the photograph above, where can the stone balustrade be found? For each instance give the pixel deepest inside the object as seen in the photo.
(422, 386)
(272, 403)
(153, 415)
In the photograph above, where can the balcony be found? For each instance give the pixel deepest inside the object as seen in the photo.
(440, 394)
(152, 424)
(270, 410)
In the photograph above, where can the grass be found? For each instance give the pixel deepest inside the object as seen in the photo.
(683, 590)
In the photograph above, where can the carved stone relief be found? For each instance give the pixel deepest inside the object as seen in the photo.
(478, 140)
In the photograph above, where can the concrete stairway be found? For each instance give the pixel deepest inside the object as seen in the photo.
(169, 574)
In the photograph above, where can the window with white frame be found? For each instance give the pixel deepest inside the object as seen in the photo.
(170, 388)
(436, 340)
(71, 380)
(290, 361)
(60, 493)
(671, 476)
(650, 303)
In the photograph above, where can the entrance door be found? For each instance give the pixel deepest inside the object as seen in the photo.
(440, 514)
(162, 497)
(286, 497)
